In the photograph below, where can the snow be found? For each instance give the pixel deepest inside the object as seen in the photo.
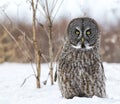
(12, 76)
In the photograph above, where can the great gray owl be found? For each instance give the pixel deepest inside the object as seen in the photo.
(80, 69)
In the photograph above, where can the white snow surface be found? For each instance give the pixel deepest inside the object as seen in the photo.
(12, 75)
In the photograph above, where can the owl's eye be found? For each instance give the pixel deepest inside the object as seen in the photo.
(77, 32)
(88, 32)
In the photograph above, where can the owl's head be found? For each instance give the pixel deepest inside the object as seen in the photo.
(83, 33)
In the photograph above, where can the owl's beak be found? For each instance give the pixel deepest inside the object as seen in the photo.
(82, 44)
(82, 40)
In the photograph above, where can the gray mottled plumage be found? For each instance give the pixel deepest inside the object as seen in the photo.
(80, 70)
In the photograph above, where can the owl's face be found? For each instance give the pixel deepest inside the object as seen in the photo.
(83, 33)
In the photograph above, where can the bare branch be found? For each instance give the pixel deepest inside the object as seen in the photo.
(47, 9)
(43, 27)
(23, 33)
(37, 51)
(33, 69)
(57, 10)
(3, 10)
(26, 79)
(44, 58)
(36, 4)
(45, 82)
(55, 76)
(12, 37)
(53, 5)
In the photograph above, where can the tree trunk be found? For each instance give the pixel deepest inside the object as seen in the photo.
(37, 52)
(51, 53)
(37, 55)
(38, 69)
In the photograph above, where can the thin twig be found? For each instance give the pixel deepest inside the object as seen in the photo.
(44, 58)
(26, 39)
(6, 15)
(33, 69)
(43, 8)
(26, 79)
(45, 82)
(12, 37)
(53, 6)
(47, 10)
(36, 5)
(23, 33)
(57, 10)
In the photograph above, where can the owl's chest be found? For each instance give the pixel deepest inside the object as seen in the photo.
(80, 57)
(78, 62)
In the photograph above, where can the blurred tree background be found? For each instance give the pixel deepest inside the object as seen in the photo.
(20, 28)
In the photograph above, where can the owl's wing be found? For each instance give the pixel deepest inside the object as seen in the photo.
(102, 68)
(56, 59)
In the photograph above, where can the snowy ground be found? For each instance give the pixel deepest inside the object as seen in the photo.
(12, 75)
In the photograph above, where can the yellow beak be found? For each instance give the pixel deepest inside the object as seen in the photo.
(82, 40)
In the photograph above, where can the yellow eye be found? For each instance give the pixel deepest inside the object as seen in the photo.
(77, 32)
(88, 32)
